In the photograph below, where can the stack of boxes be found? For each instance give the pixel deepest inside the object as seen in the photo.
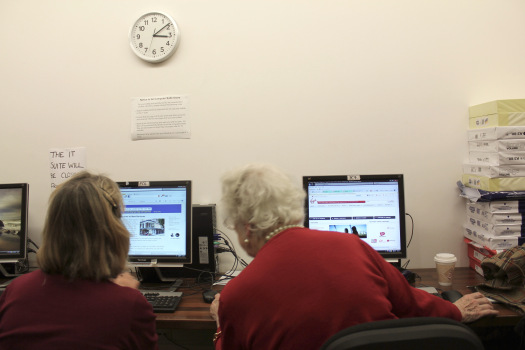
(490, 228)
(496, 167)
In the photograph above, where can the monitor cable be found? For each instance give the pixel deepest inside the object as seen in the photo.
(226, 246)
(410, 240)
(412, 231)
(30, 241)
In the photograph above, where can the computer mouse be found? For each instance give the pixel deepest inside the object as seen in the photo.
(208, 295)
(451, 295)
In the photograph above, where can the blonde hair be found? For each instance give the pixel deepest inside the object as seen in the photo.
(83, 236)
(263, 197)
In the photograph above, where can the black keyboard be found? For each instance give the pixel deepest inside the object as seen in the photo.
(162, 301)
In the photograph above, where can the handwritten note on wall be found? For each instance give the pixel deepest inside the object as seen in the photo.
(65, 162)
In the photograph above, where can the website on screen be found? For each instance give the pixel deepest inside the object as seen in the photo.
(156, 220)
(367, 209)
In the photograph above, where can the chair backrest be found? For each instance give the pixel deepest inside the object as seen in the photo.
(428, 333)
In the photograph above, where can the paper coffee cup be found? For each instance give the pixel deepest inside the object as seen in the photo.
(445, 263)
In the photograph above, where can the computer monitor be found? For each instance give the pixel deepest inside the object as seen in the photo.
(370, 206)
(158, 216)
(13, 227)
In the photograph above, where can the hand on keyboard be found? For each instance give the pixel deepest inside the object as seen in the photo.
(162, 301)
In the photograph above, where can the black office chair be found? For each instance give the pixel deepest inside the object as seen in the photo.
(428, 333)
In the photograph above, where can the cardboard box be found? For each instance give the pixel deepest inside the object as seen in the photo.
(494, 170)
(496, 133)
(510, 145)
(497, 113)
(497, 158)
(487, 240)
(494, 184)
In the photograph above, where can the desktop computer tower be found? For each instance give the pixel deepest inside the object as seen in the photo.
(204, 256)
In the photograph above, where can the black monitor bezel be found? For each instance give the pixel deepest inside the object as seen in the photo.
(162, 260)
(402, 254)
(22, 254)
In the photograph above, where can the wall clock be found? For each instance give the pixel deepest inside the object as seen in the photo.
(154, 37)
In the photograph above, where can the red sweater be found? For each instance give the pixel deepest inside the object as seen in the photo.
(39, 311)
(305, 285)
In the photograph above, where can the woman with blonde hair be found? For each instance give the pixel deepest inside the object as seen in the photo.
(305, 285)
(79, 298)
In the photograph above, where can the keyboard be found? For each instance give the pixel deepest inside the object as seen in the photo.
(162, 301)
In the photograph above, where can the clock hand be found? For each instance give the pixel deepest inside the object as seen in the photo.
(160, 36)
(160, 30)
(150, 42)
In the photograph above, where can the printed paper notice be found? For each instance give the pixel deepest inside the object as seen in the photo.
(162, 117)
(65, 162)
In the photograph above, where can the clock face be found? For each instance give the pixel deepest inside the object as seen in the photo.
(154, 37)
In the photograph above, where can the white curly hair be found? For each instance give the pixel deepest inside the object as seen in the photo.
(261, 196)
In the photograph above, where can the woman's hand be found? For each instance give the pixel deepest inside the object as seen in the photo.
(214, 309)
(125, 279)
(474, 306)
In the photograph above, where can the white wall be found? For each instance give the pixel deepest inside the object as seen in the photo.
(316, 87)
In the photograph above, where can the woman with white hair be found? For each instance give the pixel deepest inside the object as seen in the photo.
(304, 285)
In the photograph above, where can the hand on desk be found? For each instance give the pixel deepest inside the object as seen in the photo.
(214, 309)
(474, 306)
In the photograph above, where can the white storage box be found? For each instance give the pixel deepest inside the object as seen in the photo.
(494, 170)
(497, 158)
(495, 218)
(496, 133)
(499, 207)
(513, 230)
(490, 241)
(511, 145)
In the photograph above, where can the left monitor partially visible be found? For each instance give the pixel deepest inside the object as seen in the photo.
(158, 216)
(13, 227)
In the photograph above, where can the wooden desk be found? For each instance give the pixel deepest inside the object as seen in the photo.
(464, 277)
(194, 313)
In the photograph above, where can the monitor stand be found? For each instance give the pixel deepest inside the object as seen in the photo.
(395, 262)
(153, 277)
(9, 269)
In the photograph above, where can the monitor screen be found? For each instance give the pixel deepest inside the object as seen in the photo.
(370, 206)
(13, 221)
(158, 216)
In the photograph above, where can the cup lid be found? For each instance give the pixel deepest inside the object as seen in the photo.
(445, 258)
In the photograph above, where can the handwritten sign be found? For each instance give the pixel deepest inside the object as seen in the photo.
(64, 163)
